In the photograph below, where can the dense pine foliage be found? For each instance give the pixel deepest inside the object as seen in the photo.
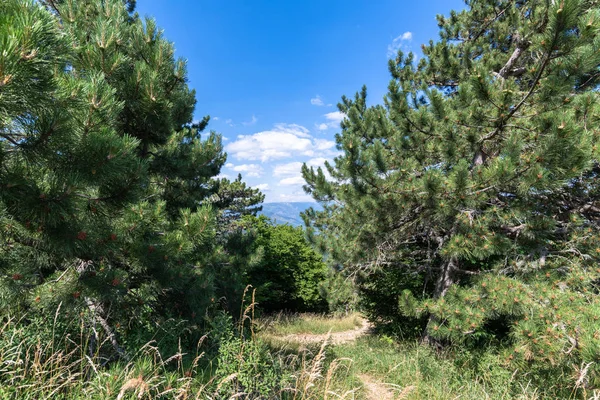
(475, 186)
(462, 212)
(109, 202)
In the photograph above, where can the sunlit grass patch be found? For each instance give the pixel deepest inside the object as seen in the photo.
(316, 324)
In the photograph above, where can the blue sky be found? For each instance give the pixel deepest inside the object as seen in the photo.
(270, 73)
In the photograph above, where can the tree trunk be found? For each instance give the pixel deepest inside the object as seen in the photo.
(444, 282)
(98, 315)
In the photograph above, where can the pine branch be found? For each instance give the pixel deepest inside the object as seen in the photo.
(522, 45)
(485, 26)
(512, 112)
(10, 139)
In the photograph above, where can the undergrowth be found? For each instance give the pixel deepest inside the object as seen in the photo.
(228, 362)
(306, 323)
(231, 361)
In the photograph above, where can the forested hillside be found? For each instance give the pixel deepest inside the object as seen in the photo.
(454, 236)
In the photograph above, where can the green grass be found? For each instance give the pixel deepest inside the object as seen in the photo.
(318, 324)
(62, 370)
(415, 371)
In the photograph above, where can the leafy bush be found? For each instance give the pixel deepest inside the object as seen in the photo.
(290, 271)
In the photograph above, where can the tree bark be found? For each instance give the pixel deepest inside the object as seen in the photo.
(98, 315)
(444, 281)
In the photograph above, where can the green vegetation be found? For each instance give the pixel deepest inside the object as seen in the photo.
(289, 324)
(61, 368)
(413, 371)
(467, 202)
(461, 218)
(290, 271)
(106, 182)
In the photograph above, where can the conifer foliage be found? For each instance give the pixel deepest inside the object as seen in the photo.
(478, 178)
(105, 181)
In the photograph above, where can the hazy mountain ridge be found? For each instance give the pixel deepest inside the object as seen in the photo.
(287, 213)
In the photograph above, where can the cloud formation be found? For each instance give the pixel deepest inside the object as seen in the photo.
(399, 43)
(298, 195)
(251, 170)
(291, 173)
(333, 120)
(283, 141)
(317, 101)
(251, 122)
(287, 170)
(292, 181)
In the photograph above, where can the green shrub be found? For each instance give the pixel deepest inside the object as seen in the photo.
(290, 271)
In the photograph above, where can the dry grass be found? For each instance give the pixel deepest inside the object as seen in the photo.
(64, 369)
(316, 324)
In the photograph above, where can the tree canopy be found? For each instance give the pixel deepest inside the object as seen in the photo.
(477, 180)
(109, 200)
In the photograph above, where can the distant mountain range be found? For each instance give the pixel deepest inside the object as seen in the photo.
(287, 213)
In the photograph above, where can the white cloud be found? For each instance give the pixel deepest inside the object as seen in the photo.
(295, 196)
(333, 120)
(251, 122)
(251, 170)
(322, 144)
(215, 118)
(287, 170)
(229, 122)
(295, 129)
(317, 101)
(291, 172)
(293, 181)
(316, 162)
(263, 187)
(283, 141)
(336, 116)
(399, 43)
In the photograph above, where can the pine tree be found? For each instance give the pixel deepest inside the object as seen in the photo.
(478, 179)
(105, 181)
(235, 200)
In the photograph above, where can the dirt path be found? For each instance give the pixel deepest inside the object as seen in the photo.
(376, 390)
(334, 338)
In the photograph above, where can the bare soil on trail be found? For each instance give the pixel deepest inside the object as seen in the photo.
(332, 338)
(375, 390)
